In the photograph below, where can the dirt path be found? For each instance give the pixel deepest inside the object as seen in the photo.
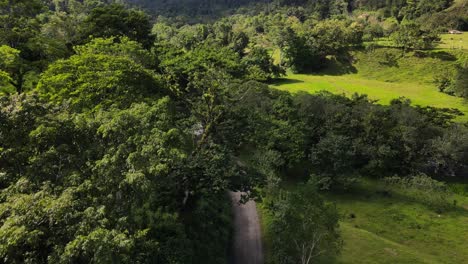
(247, 244)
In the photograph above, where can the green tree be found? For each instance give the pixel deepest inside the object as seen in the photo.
(260, 66)
(304, 227)
(9, 67)
(410, 36)
(117, 20)
(101, 73)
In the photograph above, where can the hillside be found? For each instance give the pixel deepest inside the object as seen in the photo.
(452, 13)
(379, 224)
(384, 75)
(124, 128)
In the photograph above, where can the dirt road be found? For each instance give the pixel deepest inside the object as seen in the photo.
(247, 244)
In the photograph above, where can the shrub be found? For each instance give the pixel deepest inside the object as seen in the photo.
(421, 188)
(304, 228)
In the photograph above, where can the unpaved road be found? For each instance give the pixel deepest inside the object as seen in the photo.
(247, 244)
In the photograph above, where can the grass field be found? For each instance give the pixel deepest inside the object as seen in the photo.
(383, 75)
(454, 41)
(399, 230)
(447, 42)
(395, 229)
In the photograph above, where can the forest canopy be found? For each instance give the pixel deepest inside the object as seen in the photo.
(122, 131)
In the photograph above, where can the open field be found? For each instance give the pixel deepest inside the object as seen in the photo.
(395, 229)
(378, 227)
(419, 94)
(454, 41)
(383, 75)
(447, 42)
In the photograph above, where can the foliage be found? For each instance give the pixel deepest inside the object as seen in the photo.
(424, 190)
(303, 227)
(260, 66)
(116, 20)
(99, 75)
(8, 65)
(410, 36)
(121, 141)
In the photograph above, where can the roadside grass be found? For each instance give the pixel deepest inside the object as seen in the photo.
(265, 221)
(383, 75)
(378, 225)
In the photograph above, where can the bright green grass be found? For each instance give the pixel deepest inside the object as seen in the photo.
(396, 229)
(454, 41)
(382, 79)
(362, 246)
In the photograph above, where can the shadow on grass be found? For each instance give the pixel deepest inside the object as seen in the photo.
(285, 81)
(441, 55)
(337, 66)
(391, 195)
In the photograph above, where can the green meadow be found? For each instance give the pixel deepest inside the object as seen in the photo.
(383, 74)
(454, 41)
(380, 225)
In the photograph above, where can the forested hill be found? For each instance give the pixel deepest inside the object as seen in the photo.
(323, 8)
(121, 131)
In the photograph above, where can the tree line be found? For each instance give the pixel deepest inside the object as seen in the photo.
(119, 138)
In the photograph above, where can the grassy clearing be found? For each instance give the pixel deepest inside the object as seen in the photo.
(381, 226)
(394, 229)
(450, 41)
(383, 75)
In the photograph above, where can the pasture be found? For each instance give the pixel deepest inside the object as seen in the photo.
(383, 75)
(381, 225)
(454, 42)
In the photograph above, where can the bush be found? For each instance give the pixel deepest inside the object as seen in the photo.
(424, 189)
(444, 82)
(303, 228)
(209, 229)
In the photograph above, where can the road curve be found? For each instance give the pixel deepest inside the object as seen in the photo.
(247, 239)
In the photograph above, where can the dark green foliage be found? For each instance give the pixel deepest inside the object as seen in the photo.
(410, 36)
(352, 136)
(210, 227)
(125, 148)
(299, 57)
(116, 177)
(460, 81)
(260, 66)
(455, 83)
(303, 227)
(20, 30)
(101, 76)
(307, 48)
(117, 20)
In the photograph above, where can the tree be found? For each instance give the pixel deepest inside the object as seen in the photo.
(94, 187)
(299, 57)
(410, 36)
(451, 150)
(20, 30)
(260, 66)
(116, 20)
(304, 228)
(9, 67)
(102, 73)
(460, 80)
(332, 37)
